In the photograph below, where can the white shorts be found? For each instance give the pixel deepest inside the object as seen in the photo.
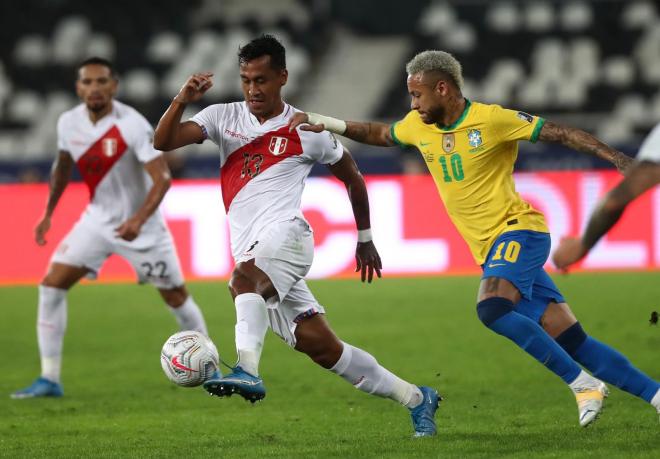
(88, 245)
(285, 253)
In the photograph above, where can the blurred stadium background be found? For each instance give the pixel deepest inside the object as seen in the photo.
(592, 64)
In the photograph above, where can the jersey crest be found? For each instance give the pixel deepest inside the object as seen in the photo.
(254, 158)
(97, 161)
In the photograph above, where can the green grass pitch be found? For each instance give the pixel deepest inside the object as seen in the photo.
(498, 401)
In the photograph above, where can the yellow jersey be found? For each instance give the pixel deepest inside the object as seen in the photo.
(471, 162)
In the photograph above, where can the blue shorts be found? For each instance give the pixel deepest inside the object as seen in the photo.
(519, 256)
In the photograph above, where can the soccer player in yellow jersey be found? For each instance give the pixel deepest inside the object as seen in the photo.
(470, 149)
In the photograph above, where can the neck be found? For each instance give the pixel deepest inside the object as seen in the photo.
(95, 116)
(455, 109)
(279, 108)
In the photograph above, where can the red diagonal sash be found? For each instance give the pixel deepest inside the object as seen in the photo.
(100, 157)
(254, 158)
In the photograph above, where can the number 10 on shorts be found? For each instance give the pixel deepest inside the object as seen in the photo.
(511, 251)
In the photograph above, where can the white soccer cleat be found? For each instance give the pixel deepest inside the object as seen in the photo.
(590, 401)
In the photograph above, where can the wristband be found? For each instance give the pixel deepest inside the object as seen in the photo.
(364, 235)
(330, 124)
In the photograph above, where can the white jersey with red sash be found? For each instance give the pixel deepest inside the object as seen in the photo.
(110, 156)
(263, 167)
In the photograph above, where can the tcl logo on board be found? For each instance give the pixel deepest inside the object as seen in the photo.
(411, 228)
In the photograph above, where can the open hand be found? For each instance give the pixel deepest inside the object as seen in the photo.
(301, 118)
(570, 251)
(195, 87)
(41, 229)
(130, 229)
(367, 261)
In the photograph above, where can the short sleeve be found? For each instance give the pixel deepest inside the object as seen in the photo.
(402, 131)
(62, 142)
(143, 143)
(330, 150)
(512, 125)
(209, 120)
(650, 149)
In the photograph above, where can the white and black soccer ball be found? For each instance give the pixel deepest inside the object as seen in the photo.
(189, 358)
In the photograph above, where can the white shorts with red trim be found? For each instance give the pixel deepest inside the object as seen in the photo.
(88, 245)
(285, 252)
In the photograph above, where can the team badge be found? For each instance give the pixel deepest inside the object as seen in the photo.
(474, 137)
(277, 145)
(110, 147)
(448, 142)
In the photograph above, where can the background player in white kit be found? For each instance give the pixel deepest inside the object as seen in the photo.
(263, 170)
(111, 144)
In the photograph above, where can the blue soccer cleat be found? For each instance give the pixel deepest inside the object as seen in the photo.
(42, 387)
(423, 415)
(239, 382)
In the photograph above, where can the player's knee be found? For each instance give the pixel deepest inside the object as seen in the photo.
(174, 297)
(324, 350)
(572, 338)
(491, 309)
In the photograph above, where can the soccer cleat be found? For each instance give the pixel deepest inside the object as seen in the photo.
(590, 401)
(423, 414)
(42, 387)
(239, 382)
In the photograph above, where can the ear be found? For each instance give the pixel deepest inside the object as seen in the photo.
(284, 77)
(441, 88)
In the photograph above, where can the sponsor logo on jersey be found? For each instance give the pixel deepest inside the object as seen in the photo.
(277, 145)
(110, 147)
(448, 142)
(235, 135)
(525, 116)
(428, 157)
(474, 137)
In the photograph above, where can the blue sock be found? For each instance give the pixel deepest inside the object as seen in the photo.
(606, 363)
(499, 315)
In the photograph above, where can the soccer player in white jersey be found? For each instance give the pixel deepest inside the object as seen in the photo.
(111, 143)
(263, 171)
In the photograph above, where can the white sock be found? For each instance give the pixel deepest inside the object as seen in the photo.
(51, 325)
(655, 401)
(583, 380)
(251, 327)
(363, 371)
(189, 316)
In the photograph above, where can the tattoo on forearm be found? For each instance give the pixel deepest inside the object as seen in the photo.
(358, 131)
(583, 142)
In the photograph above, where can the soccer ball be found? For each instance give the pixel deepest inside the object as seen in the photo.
(189, 358)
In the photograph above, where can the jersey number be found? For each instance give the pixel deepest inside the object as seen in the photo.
(456, 168)
(510, 254)
(158, 266)
(251, 165)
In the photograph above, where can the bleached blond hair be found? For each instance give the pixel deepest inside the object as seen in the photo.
(436, 61)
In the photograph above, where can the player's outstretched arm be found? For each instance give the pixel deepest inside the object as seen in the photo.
(371, 133)
(171, 133)
(640, 177)
(366, 256)
(162, 179)
(60, 175)
(584, 142)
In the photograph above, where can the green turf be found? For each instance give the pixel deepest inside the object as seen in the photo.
(499, 402)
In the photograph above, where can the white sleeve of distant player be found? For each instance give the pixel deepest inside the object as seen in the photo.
(143, 142)
(650, 149)
(327, 148)
(62, 142)
(209, 120)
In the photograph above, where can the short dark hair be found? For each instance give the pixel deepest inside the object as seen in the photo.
(265, 45)
(95, 60)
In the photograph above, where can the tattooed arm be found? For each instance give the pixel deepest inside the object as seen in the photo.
(370, 133)
(584, 142)
(640, 177)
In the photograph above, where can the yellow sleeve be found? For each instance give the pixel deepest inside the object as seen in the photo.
(402, 131)
(512, 125)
